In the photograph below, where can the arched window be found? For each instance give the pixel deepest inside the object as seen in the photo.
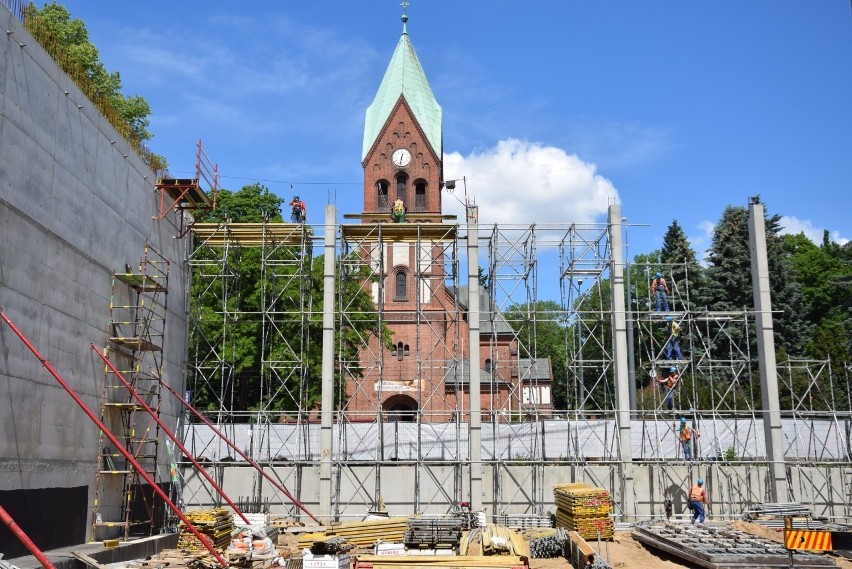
(420, 196)
(400, 286)
(402, 187)
(382, 192)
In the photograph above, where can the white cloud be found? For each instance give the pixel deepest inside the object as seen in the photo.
(793, 226)
(701, 242)
(521, 182)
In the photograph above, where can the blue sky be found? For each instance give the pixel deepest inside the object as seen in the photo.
(552, 109)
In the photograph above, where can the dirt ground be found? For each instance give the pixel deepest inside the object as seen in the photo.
(624, 552)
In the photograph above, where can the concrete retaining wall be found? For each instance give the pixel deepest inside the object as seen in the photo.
(76, 204)
(529, 489)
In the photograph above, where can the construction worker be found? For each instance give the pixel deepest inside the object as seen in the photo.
(661, 291)
(697, 501)
(670, 382)
(298, 210)
(398, 211)
(686, 434)
(673, 344)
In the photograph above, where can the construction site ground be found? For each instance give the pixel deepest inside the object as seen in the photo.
(625, 552)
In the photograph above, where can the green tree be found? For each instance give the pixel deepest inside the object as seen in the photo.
(53, 23)
(729, 285)
(233, 290)
(824, 276)
(541, 329)
(682, 267)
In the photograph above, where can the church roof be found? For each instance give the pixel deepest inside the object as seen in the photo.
(404, 77)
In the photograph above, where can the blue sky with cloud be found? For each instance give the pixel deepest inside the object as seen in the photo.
(552, 109)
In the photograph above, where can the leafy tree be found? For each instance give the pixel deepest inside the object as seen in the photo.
(251, 204)
(824, 276)
(541, 329)
(231, 293)
(53, 23)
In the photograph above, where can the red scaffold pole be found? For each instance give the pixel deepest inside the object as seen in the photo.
(257, 467)
(130, 458)
(170, 434)
(25, 539)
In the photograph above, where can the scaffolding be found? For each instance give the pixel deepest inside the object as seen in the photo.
(403, 365)
(272, 323)
(402, 401)
(136, 331)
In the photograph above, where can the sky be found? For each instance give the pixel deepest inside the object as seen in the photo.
(552, 109)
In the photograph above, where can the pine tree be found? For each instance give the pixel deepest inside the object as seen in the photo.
(729, 286)
(682, 266)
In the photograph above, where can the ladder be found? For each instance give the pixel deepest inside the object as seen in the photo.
(136, 329)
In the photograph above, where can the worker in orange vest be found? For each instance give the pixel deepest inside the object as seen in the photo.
(697, 501)
(660, 290)
(686, 433)
(670, 382)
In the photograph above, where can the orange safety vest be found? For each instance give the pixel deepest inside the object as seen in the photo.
(697, 494)
(685, 433)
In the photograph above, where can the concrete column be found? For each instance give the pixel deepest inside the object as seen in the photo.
(328, 347)
(766, 353)
(473, 342)
(619, 354)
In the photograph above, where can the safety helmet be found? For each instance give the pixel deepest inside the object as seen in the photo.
(700, 482)
(683, 419)
(659, 275)
(295, 197)
(673, 369)
(668, 318)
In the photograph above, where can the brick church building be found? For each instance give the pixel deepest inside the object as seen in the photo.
(426, 367)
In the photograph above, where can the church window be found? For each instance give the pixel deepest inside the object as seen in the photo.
(402, 187)
(400, 286)
(420, 196)
(382, 193)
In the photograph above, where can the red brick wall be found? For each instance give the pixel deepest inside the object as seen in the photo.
(401, 131)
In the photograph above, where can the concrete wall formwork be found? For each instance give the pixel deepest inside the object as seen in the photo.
(76, 205)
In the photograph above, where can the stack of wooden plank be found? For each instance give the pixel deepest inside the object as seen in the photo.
(359, 534)
(585, 509)
(494, 540)
(217, 524)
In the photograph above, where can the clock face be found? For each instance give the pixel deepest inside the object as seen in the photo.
(401, 157)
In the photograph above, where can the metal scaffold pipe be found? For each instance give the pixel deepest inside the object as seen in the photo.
(171, 435)
(239, 451)
(25, 539)
(116, 443)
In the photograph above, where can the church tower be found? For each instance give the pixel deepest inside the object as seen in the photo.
(402, 154)
(402, 160)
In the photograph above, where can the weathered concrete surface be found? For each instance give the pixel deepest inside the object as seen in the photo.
(76, 204)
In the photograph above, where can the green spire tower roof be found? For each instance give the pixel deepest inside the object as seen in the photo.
(404, 77)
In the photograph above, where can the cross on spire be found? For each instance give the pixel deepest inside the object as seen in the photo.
(404, 5)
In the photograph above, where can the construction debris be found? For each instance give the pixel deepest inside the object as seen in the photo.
(718, 547)
(177, 559)
(584, 509)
